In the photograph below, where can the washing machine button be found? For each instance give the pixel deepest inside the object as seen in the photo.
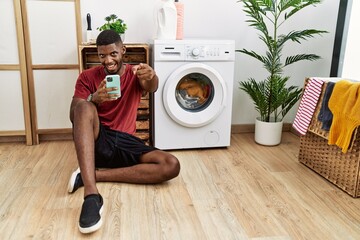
(195, 52)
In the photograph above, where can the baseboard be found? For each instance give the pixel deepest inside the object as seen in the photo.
(66, 134)
(250, 128)
(55, 137)
(10, 139)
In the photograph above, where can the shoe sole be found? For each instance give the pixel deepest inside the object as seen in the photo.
(94, 227)
(71, 183)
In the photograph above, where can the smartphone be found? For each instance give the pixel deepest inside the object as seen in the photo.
(113, 81)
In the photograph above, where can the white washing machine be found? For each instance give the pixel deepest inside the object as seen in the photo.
(193, 104)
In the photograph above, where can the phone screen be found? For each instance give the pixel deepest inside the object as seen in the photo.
(113, 81)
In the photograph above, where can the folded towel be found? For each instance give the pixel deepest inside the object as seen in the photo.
(307, 105)
(344, 104)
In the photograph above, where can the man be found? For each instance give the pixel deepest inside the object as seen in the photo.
(103, 124)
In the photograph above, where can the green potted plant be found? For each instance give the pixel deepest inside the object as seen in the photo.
(114, 23)
(272, 98)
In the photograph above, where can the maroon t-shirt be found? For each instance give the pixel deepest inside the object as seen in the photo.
(120, 114)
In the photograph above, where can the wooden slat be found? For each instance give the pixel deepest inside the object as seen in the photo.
(54, 66)
(23, 72)
(143, 114)
(143, 136)
(12, 133)
(10, 67)
(142, 125)
(29, 71)
(144, 104)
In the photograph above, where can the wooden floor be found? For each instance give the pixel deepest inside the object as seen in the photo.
(246, 191)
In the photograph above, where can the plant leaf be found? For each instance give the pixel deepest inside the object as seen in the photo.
(299, 57)
(297, 5)
(253, 54)
(296, 36)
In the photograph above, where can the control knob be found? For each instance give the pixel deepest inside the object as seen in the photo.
(195, 52)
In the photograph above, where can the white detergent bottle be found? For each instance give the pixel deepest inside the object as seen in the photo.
(166, 20)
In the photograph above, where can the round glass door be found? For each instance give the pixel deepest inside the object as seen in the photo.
(193, 95)
(194, 92)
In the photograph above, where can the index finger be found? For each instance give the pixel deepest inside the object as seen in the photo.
(135, 68)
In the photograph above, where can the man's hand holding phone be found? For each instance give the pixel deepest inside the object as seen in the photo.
(113, 86)
(108, 90)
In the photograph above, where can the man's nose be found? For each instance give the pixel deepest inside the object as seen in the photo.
(108, 59)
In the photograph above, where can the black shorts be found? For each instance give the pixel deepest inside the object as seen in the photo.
(115, 149)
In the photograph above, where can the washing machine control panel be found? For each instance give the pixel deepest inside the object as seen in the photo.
(208, 52)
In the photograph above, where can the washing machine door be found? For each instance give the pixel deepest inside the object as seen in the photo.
(194, 95)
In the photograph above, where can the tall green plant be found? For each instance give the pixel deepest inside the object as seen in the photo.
(271, 96)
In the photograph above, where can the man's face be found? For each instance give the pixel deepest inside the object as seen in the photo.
(111, 57)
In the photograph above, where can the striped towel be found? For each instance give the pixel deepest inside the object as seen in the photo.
(307, 105)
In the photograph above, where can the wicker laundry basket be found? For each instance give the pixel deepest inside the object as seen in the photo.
(342, 169)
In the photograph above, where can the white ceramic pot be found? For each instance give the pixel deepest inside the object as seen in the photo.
(268, 133)
(122, 36)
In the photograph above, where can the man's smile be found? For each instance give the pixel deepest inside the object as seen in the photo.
(111, 67)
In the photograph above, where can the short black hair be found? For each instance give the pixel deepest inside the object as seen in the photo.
(107, 37)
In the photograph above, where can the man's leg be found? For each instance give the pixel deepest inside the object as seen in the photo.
(155, 167)
(86, 130)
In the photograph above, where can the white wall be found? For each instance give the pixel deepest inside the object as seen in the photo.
(225, 19)
(350, 66)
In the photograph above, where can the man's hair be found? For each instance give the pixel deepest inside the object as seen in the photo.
(107, 37)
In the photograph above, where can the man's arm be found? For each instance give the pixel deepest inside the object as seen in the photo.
(147, 77)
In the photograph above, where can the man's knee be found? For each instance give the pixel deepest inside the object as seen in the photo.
(172, 168)
(84, 108)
